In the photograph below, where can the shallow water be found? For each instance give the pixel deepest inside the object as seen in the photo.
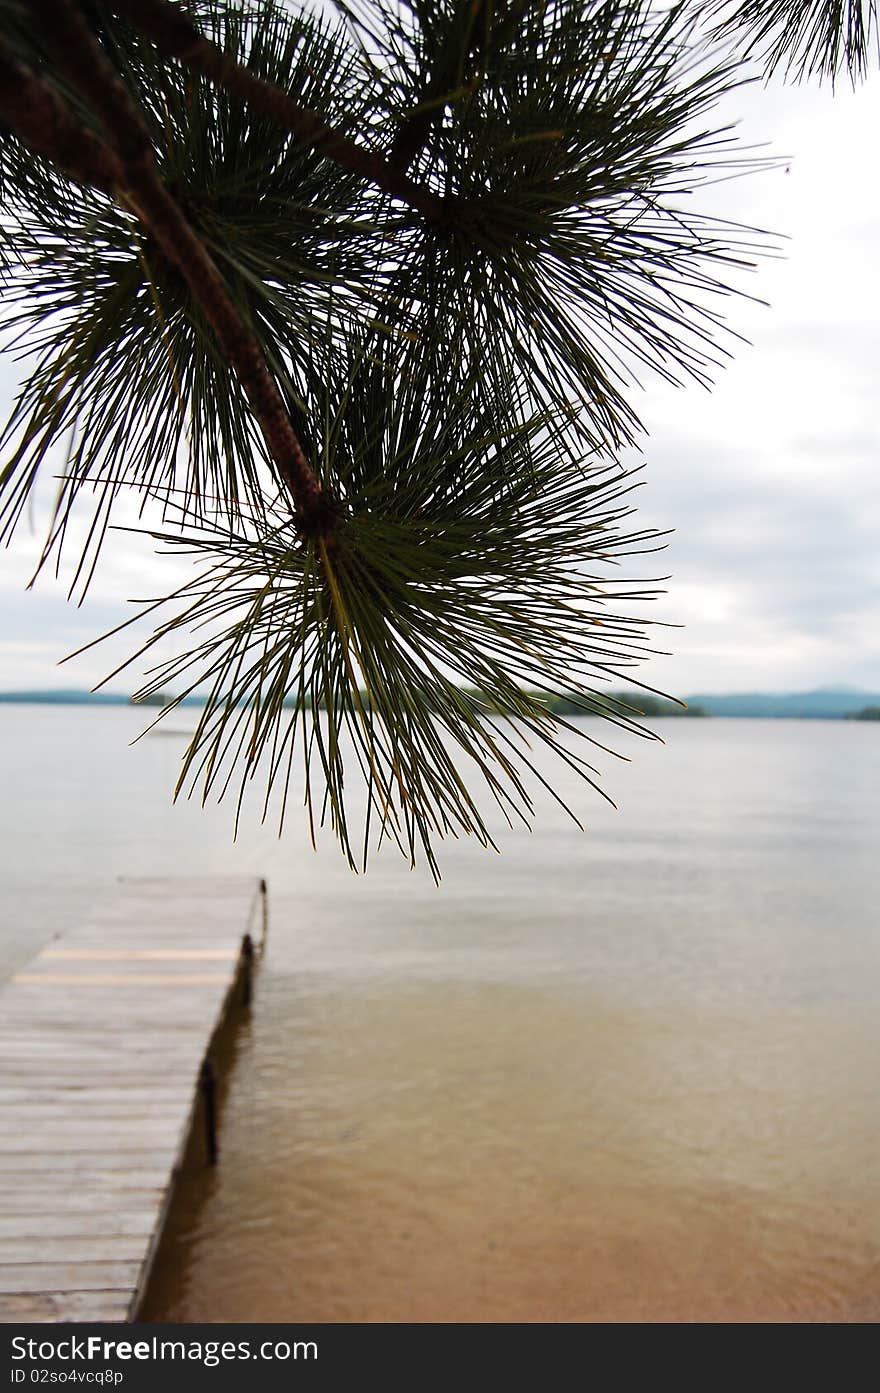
(628, 1074)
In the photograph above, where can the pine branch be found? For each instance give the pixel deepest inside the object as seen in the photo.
(47, 126)
(178, 36)
(804, 38)
(470, 571)
(139, 187)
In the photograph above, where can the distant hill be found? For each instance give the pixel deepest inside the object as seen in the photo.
(823, 705)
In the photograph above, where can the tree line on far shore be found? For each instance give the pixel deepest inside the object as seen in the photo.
(596, 703)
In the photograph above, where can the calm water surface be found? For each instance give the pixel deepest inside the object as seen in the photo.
(627, 1074)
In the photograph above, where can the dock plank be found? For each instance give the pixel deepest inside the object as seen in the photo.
(74, 1225)
(39, 1307)
(59, 1250)
(23, 1278)
(141, 1190)
(102, 1036)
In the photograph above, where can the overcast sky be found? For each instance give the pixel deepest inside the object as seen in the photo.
(770, 481)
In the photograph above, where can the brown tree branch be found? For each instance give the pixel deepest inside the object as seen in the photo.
(47, 126)
(177, 36)
(136, 184)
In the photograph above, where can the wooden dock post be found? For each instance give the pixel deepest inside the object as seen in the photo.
(103, 1037)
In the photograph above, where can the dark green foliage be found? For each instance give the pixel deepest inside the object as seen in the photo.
(805, 38)
(124, 366)
(642, 704)
(579, 261)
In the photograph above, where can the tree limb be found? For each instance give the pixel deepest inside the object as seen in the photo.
(178, 36)
(47, 126)
(136, 184)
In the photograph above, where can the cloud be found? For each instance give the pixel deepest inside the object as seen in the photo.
(770, 480)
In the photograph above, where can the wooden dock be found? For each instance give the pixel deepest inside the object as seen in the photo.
(103, 1037)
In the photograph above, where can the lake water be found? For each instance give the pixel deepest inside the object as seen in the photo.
(627, 1074)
